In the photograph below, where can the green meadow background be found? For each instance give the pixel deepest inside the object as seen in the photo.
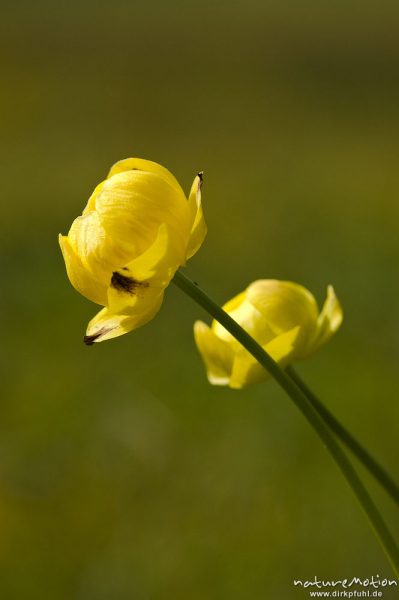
(123, 474)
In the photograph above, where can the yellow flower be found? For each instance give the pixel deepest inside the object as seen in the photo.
(281, 316)
(135, 232)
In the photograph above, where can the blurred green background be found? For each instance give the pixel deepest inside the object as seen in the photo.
(123, 473)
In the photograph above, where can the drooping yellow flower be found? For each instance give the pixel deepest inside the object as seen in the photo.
(281, 316)
(135, 232)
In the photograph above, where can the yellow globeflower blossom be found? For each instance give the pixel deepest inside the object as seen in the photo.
(138, 227)
(281, 316)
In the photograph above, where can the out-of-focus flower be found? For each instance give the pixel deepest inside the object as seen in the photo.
(281, 316)
(136, 230)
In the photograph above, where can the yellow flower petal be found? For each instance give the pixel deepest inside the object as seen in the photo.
(284, 305)
(91, 203)
(133, 204)
(99, 254)
(144, 279)
(250, 319)
(247, 370)
(108, 324)
(159, 262)
(80, 277)
(140, 164)
(329, 320)
(217, 355)
(135, 292)
(198, 227)
(231, 307)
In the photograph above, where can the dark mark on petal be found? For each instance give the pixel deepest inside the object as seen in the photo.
(122, 283)
(90, 339)
(201, 178)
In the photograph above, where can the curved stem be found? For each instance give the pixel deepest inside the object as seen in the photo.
(347, 438)
(304, 405)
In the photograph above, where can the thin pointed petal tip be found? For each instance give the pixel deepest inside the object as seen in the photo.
(337, 312)
(89, 340)
(198, 225)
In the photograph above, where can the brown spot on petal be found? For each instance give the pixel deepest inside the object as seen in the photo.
(90, 339)
(123, 283)
(201, 178)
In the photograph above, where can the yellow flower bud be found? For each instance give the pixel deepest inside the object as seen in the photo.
(281, 316)
(137, 229)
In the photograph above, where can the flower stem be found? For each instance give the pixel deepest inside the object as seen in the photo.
(347, 438)
(305, 406)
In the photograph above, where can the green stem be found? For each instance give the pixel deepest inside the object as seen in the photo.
(347, 438)
(304, 405)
